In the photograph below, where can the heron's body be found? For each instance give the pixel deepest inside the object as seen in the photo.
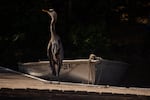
(55, 55)
(55, 48)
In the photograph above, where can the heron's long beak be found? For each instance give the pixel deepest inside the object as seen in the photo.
(44, 10)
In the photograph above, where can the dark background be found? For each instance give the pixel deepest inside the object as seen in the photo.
(113, 29)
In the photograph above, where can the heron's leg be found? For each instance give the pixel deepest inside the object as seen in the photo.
(58, 79)
(54, 72)
(52, 65)
(57, 72)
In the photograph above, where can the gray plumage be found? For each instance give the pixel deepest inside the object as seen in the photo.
(55, 49)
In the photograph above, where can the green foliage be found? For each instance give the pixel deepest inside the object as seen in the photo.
(89, 38)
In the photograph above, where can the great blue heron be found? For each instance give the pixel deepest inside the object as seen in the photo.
(55, 48)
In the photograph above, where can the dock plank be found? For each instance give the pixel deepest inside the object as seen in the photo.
(10, 79)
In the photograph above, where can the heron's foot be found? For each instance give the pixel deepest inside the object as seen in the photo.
(49, 82)
(58, 82)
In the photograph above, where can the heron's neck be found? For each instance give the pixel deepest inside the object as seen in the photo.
(52, 29)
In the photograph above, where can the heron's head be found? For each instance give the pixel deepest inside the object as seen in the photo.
(52, 13)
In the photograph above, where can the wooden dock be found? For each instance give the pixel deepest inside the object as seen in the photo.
(16, 85)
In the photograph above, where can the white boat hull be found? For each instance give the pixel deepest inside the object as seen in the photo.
(80, 70)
